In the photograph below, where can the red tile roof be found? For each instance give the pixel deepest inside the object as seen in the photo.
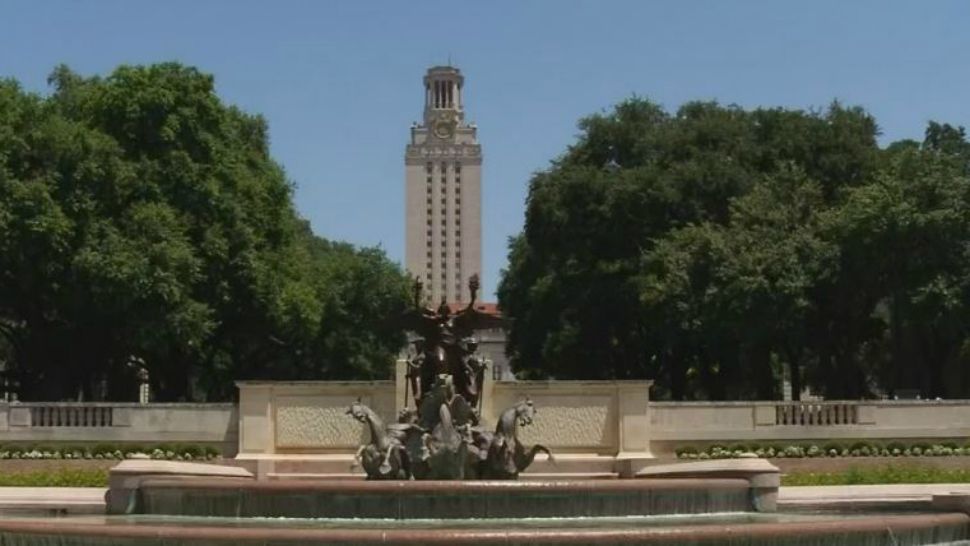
(485, 307)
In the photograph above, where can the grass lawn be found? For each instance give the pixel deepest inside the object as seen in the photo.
(59, 477)
(888, 474)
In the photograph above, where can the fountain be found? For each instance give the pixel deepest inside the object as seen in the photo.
(444, 437)
(441, 475)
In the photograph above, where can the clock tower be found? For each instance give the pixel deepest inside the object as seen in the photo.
(443, 163)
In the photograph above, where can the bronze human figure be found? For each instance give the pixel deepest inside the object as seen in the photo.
(446, 346)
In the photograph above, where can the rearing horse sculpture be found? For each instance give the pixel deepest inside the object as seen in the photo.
(384, 458)
(506, 455)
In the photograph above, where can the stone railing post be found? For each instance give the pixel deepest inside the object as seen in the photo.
(633, 427)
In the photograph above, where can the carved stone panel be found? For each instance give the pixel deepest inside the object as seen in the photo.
(19, 417)
(317, 422)
(572, 422)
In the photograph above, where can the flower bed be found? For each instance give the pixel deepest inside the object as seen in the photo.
(829, 449)
(172, 452)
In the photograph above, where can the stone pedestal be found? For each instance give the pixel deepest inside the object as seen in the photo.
(764, 477)
(125, 478)
(596, 429)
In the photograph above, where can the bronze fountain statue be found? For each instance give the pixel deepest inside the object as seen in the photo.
(443, 436)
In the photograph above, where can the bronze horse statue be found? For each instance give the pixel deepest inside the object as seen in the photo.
(506, 455)
(385, 457)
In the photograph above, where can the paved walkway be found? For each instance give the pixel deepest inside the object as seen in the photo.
(834, 496)
(90, 500)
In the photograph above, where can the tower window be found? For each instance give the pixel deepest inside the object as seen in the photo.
(429, 253)
(443, 233)
(457, 221)
(444, 254)
(429, 234)
(428, 276)
(457, 233)
(429, 263)
(443, 201)
(428, 179)
(429, 221)
(429, 200)
(429, 243)
(444, 169)
(427, 167)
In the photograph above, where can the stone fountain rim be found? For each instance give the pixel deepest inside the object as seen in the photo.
(643, 535)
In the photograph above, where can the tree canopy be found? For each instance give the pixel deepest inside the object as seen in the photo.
(144, 223)
(719, 250)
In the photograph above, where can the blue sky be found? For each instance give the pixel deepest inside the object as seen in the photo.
(340, 82)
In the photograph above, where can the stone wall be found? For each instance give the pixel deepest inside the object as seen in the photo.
(572, 416)
(210, 424)
(588, 424)
(307, 416)
(593, 417)
(302, 427)
(674, 424)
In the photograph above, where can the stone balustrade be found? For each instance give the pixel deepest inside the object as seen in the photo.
(99, 422)
(816, 413)
(674, 424)
(75, 415)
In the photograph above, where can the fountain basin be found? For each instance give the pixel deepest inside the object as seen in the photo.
(402, 500)
(718, 504)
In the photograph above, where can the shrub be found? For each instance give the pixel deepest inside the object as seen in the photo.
(686, 452)
(719, 451)
(107, 451)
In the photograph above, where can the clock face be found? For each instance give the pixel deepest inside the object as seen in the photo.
(444, 128)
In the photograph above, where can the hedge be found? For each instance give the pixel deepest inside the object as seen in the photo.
(828, 449)
(174, 452)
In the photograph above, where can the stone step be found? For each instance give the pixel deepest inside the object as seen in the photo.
(51, 501)
(529, 476)
(566, 466)
(567, 476)
(312, 476)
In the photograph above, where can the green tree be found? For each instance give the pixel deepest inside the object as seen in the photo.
(143, 220)
(696, 247)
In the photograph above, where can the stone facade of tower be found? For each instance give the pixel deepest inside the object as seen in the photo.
(443, 193)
